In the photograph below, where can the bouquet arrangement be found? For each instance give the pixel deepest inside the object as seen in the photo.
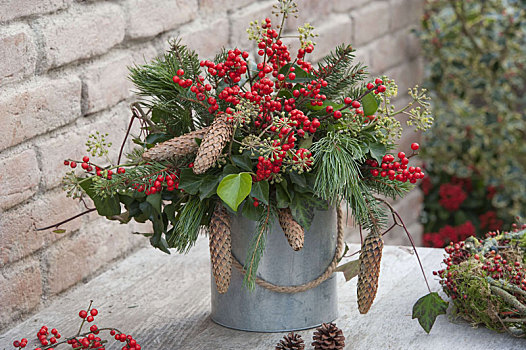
(271, 137)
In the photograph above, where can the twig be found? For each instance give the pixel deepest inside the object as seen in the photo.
(67, 220)
(126, 136)
(509, 299)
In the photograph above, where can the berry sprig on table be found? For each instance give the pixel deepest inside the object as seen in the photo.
(49, 339)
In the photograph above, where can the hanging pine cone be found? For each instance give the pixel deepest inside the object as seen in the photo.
(220, 248)
(177, 147)
(213, 143)
(328, 336)
(291, 341)
(370, 258)
(293, 231)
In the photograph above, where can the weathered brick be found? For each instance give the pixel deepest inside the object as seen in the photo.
(80, 32)
(105, 82)
(71, 144)
(20, 290)
(17, 226)
(100, 243)
(370, 22)
(19, 176)
(389, 51)
(407, 75)
(12, 9)
(198, 37)
(37, 107)
(346, 5)
(405, 13)
(17, 52)
(215, 6)
(309, 11)
(240, 21)
(149, 18)
(337, 31)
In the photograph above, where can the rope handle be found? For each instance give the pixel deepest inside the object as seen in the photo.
(309, 285)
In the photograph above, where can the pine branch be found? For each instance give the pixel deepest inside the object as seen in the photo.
(257, 246)
(341, 75)
(188, 223)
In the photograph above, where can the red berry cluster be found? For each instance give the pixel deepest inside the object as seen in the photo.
(266, 167)
(89, 340)
(88, 167)
(155, 185)
(377, 86)
(303, 158)
(276, 52)
(399, 170)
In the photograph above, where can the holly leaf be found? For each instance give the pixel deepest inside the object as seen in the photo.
(427, 308)
(350, 269)
(234, 188)
(260, 190)
(283, 196)
(370, 105)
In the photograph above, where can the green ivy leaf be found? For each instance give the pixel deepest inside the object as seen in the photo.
(234, 188)
(208, 186)
(243, 161)
(298, 179)
(155, 201)
(107, 206)
(189, 181)
(427, 308)
(350, 269)
(260, 190)
(283, 197)
(377, 150)
(251, 212)
(169, 210)
(60, 230)
(370, 104)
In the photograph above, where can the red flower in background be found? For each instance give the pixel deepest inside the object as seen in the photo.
(448, 233)
(451, 196)
(490, 222)
(433, 239)
(492, 191)
(465, 230)
(464, 182)
(426, 185)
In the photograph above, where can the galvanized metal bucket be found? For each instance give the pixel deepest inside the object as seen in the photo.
(263, 310)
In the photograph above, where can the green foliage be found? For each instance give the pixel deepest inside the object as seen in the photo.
(106, 206)
(171, 104)
(476, 54)
(427, 308)
(188, 223)
(234, 188)
(343, 77)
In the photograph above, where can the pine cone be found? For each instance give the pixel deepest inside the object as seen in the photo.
(213, 143)
(293, 231)
(220, 248)
(328, 336)
(291, 341)
(177, 147)
(370, 259)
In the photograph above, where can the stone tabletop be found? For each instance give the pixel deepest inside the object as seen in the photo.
(164, 302)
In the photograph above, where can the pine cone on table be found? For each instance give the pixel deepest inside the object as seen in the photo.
(220, 248)
(214, 141)
(291, 341)
(328, 336)
(370, 258)
(177, 147)
(293, 231)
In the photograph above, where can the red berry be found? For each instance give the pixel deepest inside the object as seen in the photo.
(281, 77)
(191, 165)
(16, 343)
(337, 114)
(292, 76)
(89, 318)
(73, 164)
(378, 81)
(66, 162)
(415, 146)
(256, 203)
(347, 100)
(84, 166)
(85, 159)
(180, 72)
(329, 109)
(370, 86)
(112, 332)
(401, 155)
(382, 88)
(83, 314)
(54, 331)
(356, 104)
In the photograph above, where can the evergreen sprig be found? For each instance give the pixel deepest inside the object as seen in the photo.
(343, 77)
(188, 223)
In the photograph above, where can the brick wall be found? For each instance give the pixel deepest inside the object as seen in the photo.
(63, 67)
